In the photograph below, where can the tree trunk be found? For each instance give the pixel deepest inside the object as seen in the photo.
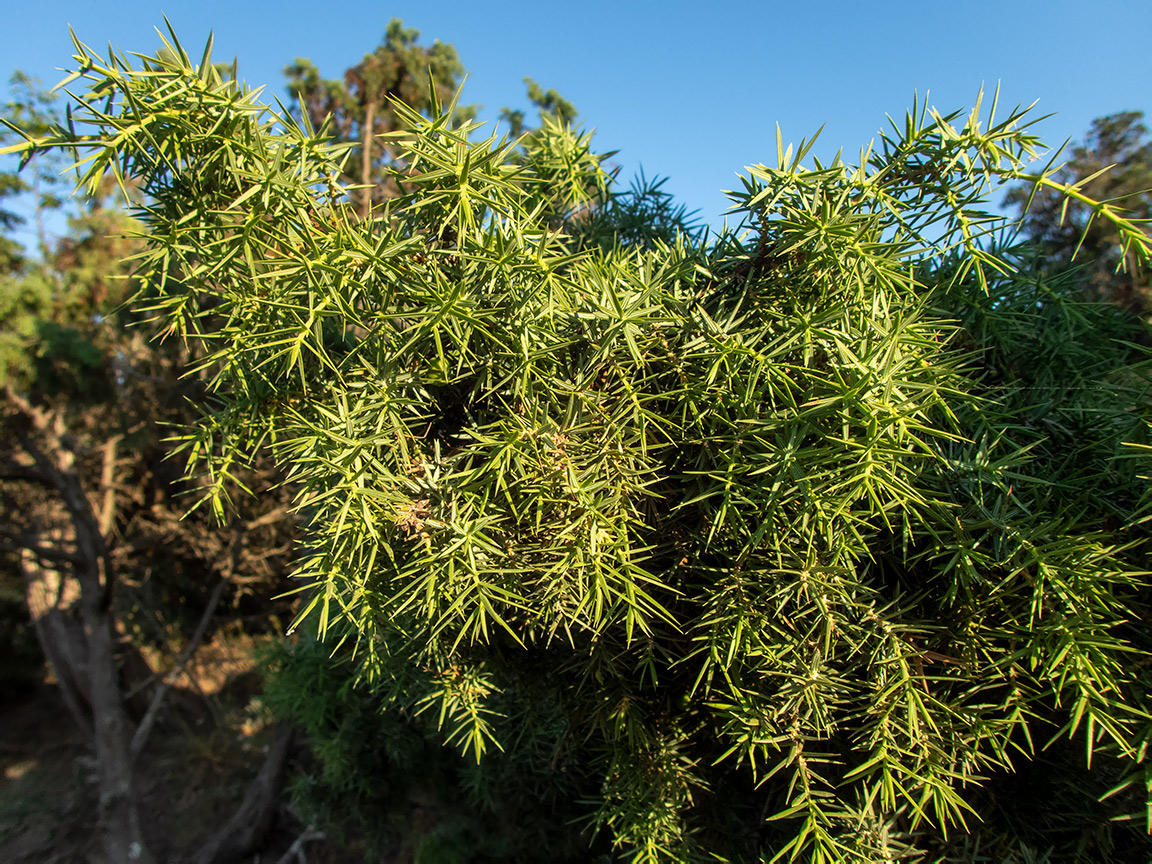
(50, 597)
(366, 162)
(112, 733)
(86, 660)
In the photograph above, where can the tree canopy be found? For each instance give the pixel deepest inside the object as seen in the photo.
(358, 109)
(790, 543)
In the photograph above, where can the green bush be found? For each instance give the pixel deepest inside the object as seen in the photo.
(790, 543)
(384, 779)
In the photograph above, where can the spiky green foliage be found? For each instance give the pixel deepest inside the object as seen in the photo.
(1114, 164)
(789, 546)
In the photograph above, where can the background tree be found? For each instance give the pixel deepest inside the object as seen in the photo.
(358, 109)
(116, 586)
(548, 103)
(1114, 164)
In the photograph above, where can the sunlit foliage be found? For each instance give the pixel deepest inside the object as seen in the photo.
(784, 544)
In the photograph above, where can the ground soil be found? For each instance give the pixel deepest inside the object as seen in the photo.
(191, 777)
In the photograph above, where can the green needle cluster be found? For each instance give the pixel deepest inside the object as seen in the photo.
(784, 542)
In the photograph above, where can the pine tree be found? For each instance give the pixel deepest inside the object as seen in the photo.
(359, 108)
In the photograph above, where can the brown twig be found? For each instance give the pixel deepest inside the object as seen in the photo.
(251, 821)
(140, 738)
(296, 850)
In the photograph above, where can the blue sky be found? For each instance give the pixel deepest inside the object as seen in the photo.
(691, 91)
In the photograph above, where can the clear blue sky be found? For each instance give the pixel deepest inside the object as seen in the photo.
(691, 91)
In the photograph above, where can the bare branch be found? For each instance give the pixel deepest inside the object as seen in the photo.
(146, 724)
(45, 555)
(251, 821)
(107, 478)
(296, 850)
